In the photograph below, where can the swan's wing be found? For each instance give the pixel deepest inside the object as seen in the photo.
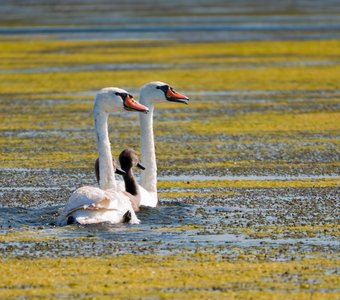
(84, 220)
(84, 196)
(92, 203)
(81, 197)
(98, 216)
(124, 204)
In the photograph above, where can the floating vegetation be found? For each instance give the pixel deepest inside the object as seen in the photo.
(261, 130)
(187, 275)
(245, 183)
(48, 54)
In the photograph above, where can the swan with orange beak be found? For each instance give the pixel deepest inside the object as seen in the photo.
(88, 204)
(151, 93)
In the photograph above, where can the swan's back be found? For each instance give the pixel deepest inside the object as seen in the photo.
(88, 205)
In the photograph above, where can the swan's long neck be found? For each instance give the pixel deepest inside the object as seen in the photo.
(131, 184)
(148, 159)
(107, 176)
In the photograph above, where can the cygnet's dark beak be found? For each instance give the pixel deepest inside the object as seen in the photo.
(139, 165)
(120, 171)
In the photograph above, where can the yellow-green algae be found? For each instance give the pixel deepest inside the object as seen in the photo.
(35, 54)
(298, 183)
(27, 235)
(45, 53)
(76, 113)
(185, 193)
(288, 231)
(267, 231)
(184, 276)
(247, 163)
(78, 116)
(272, 78)
(271, 121)
(23, 235)
(268, 122)
(179, 228)
(261, 66)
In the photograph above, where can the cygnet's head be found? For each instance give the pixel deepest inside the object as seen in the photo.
(117, 170)
(157, 91)
(128, 159)
(113, 99)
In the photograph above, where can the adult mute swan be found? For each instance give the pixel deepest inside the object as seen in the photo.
(150, 93)
(88, 205)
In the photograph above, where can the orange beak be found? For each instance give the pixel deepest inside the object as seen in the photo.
(132, 105)
(174, 96)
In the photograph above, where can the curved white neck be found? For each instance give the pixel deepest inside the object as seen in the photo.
(148, 159)
(106, 171)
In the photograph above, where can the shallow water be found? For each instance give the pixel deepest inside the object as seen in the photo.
(162, 230)
(194, 21)
(132, 66)
(46, 159)
(211, 218)
(215, 221)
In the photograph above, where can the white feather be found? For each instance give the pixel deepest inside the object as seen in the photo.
(89, 204)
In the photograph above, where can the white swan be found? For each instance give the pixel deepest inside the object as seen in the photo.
(88, 205)
(150, 93)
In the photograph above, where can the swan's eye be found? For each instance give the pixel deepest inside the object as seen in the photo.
(164, 88)
(122, 95)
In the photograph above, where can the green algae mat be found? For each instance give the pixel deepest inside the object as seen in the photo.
(195, 276)
(248, 171)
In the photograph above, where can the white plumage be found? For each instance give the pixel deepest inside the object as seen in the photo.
(153, 92)
(88, 205)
